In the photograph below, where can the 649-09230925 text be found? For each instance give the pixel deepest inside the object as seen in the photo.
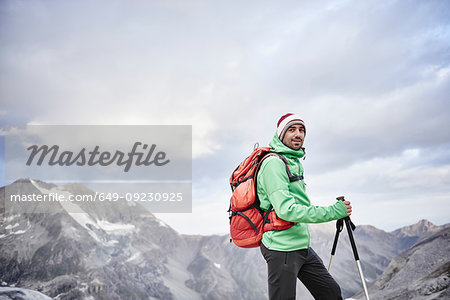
(99, 196)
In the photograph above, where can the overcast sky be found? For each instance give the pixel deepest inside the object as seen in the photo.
(370, 78)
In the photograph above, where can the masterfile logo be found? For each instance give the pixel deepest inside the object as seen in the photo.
(93, 157)
(148, 163)
(99, 152)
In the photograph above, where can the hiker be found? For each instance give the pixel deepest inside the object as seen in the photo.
(287, 252)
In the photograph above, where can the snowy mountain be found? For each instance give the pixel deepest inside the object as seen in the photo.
(99, 251)
(108, 252)
(13, 293)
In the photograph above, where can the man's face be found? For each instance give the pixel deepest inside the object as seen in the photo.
(294, 137)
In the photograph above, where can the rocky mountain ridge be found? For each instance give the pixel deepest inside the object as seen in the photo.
(421, 272)
(124, 252)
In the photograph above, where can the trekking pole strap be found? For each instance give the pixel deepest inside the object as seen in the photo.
(350, 228)
(339, 225)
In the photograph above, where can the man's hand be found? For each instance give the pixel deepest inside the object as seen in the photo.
(348, 207)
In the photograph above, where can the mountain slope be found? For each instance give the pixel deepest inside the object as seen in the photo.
(376, 248)
(421, 272)
(101, 251)
(120, 253)
(13, 293)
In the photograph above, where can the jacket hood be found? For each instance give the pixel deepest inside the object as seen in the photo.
(277, 146)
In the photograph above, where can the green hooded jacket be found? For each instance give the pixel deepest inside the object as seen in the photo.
(289, 200)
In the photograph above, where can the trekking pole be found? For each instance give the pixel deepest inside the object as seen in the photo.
(350, 227)
(339, 226)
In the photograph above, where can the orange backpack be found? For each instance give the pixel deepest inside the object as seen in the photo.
(248, 221)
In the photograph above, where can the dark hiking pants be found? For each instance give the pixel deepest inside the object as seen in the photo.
(285, 267)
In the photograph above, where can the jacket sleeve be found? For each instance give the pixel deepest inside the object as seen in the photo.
(274, 181)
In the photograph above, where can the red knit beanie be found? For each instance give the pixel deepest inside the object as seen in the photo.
(287, 121)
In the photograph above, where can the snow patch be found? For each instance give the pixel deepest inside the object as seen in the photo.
(22, 293)
(161, 223)
(10, 218)
(134, 256)
(78, 214)
(115, 228)
(84, 219)
(112, 242)
(218, 266)
(12, 226)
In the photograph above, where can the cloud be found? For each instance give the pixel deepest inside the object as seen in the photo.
(371, 78)
(391, 191)
(359, 48)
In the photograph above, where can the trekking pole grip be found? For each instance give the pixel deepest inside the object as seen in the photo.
(341, 198)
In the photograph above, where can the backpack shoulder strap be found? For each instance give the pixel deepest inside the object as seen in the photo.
(288, 170)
